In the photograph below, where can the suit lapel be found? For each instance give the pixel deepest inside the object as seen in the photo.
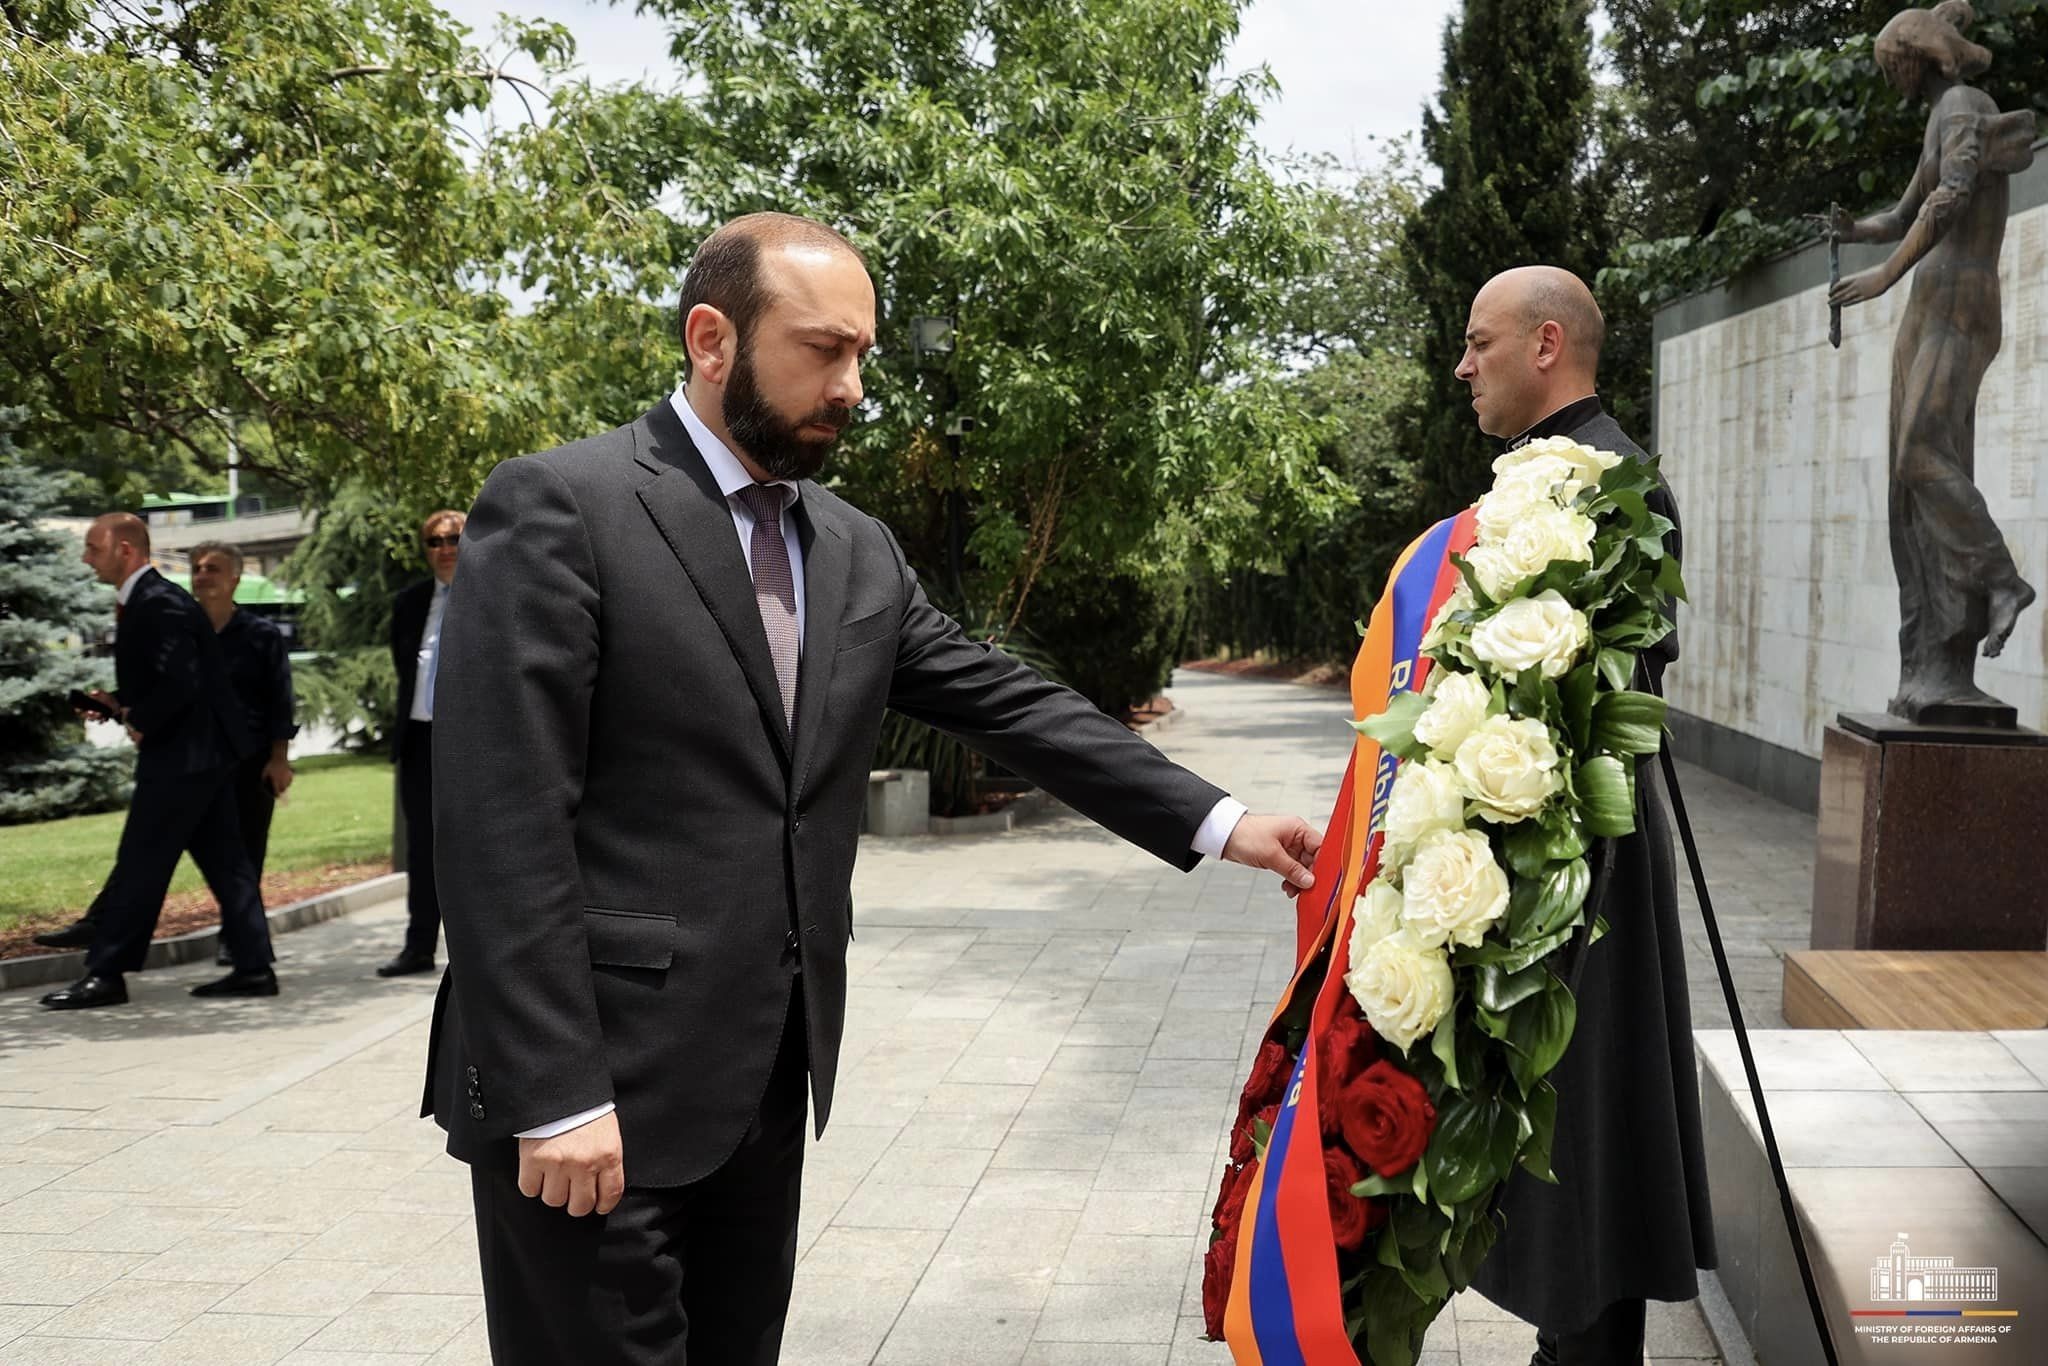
(828, 556)
(684, 501)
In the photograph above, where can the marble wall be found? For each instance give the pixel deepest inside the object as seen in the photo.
(1776, 447)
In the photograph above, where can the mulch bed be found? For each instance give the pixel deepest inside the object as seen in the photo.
(1312, 673)
(188, 911)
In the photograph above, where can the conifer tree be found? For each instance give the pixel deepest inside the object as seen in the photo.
(1512, 138)
(48, 608)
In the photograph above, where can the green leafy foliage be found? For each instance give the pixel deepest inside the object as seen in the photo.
(1731, 119)
(1512, 138)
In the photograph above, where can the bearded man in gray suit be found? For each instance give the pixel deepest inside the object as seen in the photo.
(663, 671)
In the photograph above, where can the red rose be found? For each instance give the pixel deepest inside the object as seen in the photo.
(1237, 1184)
(1348, 1048)
(1241, 1142)
(1268, 1080)
(1217, 1269)
(1351, 1216)
(1387, 1118)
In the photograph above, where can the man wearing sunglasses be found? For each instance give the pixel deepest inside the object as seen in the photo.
(416, 653)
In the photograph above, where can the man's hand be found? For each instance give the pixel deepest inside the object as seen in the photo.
(1283, 844)
(278, 775)
(582, 1170)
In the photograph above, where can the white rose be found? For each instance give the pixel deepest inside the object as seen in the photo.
(1453, 889)
(1377, 915)
(1509, 766)
(1544, 632)
(1457, 704)
(1545, 483)
(1403, 986)
(1587, 464)
(1542, 534)
(1426, 797)
(1494, 570)
(1460, 600)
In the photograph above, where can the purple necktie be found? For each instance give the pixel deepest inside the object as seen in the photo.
(774, 588)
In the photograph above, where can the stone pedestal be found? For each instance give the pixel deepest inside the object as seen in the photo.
(1931, 837)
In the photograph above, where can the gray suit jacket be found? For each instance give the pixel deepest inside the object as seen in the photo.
(632, 851)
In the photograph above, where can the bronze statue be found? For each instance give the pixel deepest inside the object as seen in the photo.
(1957, 581)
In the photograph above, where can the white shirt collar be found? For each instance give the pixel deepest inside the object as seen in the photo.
(726, 468)
(128, 585)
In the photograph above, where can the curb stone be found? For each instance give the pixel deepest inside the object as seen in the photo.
(68, 965)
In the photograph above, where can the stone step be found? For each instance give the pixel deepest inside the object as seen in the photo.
(1937, 1142)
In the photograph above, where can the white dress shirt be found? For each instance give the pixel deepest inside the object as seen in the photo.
(127, 587)
(429, 657)
(732, 476)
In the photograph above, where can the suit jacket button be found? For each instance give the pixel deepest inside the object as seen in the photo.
(476, 1109)
(472, 1076)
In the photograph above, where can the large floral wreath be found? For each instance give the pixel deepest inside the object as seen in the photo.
(1516, 760)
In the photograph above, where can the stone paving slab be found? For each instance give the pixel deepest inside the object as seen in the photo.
(1046, 1031)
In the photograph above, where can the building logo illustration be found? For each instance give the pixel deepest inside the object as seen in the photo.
(1899, 1277)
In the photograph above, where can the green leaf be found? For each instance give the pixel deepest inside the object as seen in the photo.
(1472, 1148)
(1606, 788)
(1628, 723)
(1377, 1187)
(1539, 1029)
(1540, 1109)
(1617, 667)
(1511, 959)
(1500, 990)
(1531, 846)
(1575, 694)
(1394, 728)
(1444, 1044)
(1541, 906)
(1468, 1248)
(1671, 578)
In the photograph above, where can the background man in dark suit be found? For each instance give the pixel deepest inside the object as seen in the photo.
(416, 616)
(663, 675)
(260, 671)
(173, 695)
(1628, 1220)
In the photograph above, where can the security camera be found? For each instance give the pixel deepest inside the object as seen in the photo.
(961, 425)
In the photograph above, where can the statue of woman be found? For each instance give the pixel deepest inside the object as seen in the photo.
(1957, 581)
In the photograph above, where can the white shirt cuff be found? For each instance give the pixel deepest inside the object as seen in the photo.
(1217, 826)
(563, 1126)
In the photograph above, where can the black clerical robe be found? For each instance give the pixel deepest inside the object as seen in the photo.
(1629, 1217)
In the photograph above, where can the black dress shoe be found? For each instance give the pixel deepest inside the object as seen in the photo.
(223, 957)
(77, 935)
(262, 983)
(89, 992)
(407, 964)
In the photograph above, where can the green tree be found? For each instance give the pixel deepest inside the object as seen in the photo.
(1354, 329)
(1513, 138)
(49, 607)
(1737, 117)
(1076, 184)
(264, 212)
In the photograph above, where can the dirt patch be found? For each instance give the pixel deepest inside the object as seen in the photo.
(1309, 672)
(188, 911)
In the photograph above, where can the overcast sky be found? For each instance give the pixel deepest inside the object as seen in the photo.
(1349, 72)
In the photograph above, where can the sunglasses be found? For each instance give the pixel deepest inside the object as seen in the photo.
(438, 542)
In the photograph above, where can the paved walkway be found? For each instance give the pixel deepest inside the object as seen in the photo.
(1046, 1031)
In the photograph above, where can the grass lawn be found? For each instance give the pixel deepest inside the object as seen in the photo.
(338, 811)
